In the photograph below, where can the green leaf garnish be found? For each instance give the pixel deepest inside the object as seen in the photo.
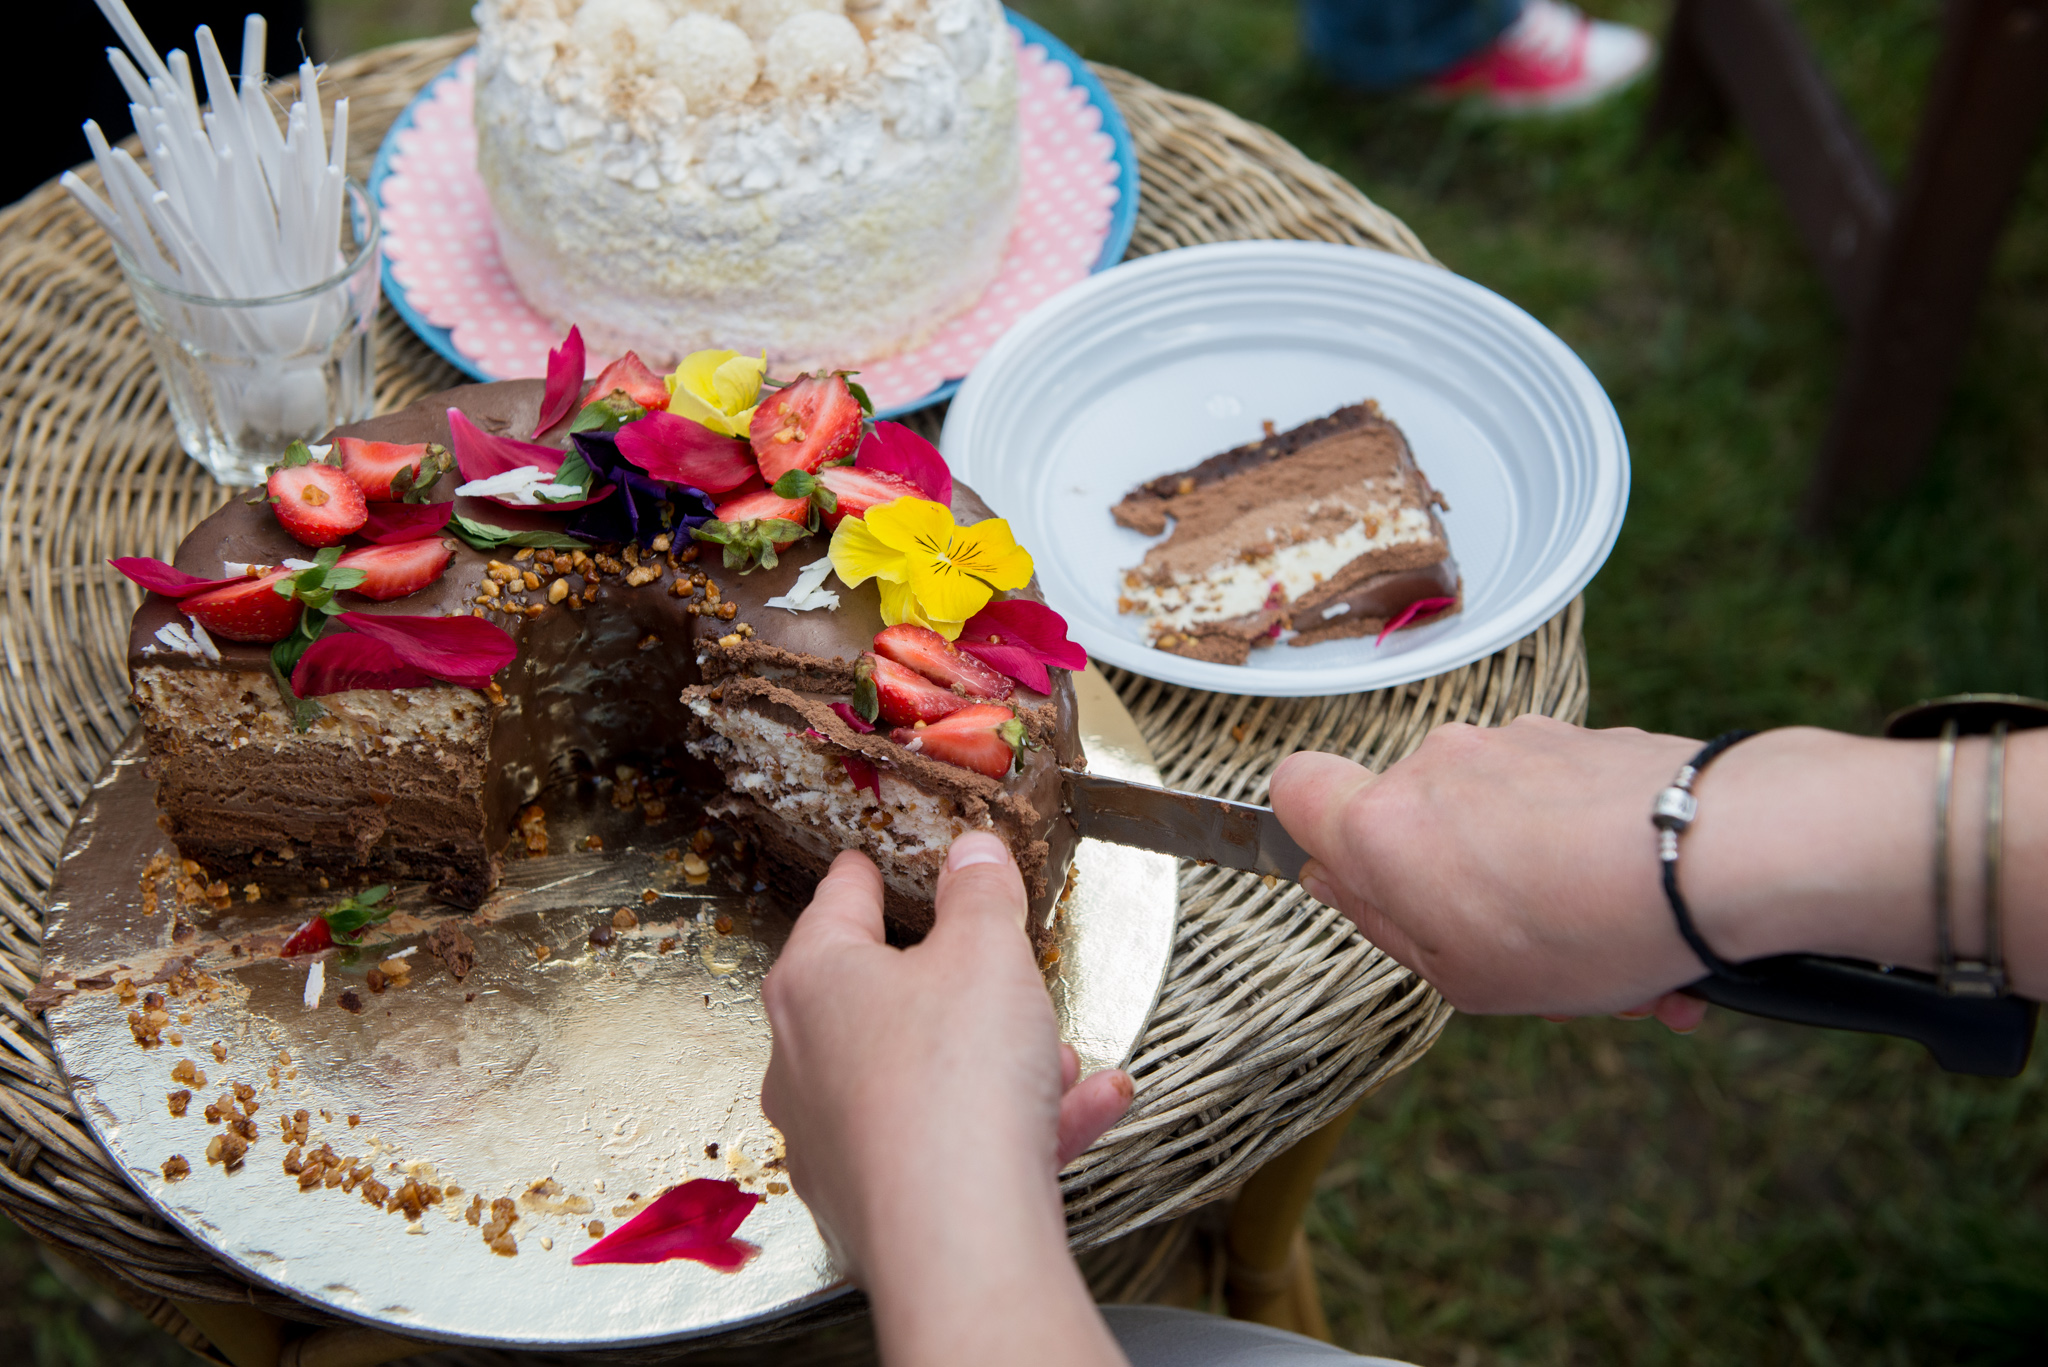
(415, 483)
(574, 472)
(860, 395)
(751, 542)
(608, 414)
(803, 484)
(357, 912)
(284, 658)
(866, 702)
(316, 585)
(484, 536)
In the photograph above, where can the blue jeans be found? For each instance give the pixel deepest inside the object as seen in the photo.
(1381, 44)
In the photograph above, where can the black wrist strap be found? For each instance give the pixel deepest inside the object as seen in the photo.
(1676, 807)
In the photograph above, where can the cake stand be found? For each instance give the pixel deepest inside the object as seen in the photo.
(606, 1042)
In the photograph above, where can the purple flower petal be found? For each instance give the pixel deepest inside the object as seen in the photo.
(565, 381)
(1020, 637)
(895, 448)
(464, 651)
(695, 1220)
(391, 523)
(679, 451)
(169, 580)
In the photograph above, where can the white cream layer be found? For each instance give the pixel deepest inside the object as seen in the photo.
(1245, 586)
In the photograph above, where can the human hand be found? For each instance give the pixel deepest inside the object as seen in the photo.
(1514, 868)
(928, 1106)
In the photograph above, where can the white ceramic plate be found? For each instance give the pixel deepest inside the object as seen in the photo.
(1154, 365)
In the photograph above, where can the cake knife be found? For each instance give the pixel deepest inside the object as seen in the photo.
(1208, 830)
(1987, 1037)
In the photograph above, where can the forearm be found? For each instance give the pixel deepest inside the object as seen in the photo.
(983, 1276)
(1814, 841)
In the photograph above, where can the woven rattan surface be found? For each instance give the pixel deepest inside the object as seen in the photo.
(1273, 1020)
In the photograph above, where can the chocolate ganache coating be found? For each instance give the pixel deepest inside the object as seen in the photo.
(605, 681)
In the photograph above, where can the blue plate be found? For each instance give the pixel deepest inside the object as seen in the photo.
(1123, 219)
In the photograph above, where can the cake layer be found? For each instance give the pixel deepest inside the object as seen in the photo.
(425, 783)
(1328, 529)
(830, 185)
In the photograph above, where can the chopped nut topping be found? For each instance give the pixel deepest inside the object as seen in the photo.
(643, 574)
(558, 590)
(523, 553)
(728, 611)
(661, 543)
(595, 1229)
(489, 589)
(530, 579)
(187, 1072)
(694, 867)
(624, 919)
(666, 946)
(602, 934)
(176, 1169)
(179, 1100)
(374, 980)
(593, 842)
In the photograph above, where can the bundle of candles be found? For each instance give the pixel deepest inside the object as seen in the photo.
(237, 210)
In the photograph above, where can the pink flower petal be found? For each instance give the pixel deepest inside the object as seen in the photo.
(1410, 613)
(169, 580)
(679, 451)
(695, 1220)
(565, 381)
(1020, 637)
(863, 774)
(480, 454)
(341, 661)
(464, 651)
(895, 448)
(391, 523)
(853, 718)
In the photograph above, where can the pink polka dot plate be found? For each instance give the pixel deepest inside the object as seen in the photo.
(443, 274)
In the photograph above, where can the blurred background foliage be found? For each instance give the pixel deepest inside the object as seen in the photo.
(1604, 1192)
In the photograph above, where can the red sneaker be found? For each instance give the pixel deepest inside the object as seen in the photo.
(1552, 57)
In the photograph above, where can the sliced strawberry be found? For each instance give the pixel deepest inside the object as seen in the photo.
(252, 610)
(803, 425)
(762, 504)
(310, 938)
(631, 374)
(387, 471)
(397, 570)
(900, 696)
(317, 504)
(981, 737)
(855, 490)
(939, 660)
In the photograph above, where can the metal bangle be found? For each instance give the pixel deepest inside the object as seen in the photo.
(1982, 977)
(1675, 809)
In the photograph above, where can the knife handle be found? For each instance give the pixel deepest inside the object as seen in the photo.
(1979, 1036)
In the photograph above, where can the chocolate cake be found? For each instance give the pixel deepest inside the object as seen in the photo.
(1324, 531)
(637, 660)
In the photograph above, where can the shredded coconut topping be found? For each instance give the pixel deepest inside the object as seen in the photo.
(808, 591)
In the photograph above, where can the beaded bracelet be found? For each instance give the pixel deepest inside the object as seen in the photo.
(1674, 812)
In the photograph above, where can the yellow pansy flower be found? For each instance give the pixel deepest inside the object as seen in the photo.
(932, 571)
(717, 389)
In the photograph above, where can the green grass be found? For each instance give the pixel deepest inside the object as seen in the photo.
(1601, 1192)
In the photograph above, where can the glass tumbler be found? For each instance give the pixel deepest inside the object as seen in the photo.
(247, 377)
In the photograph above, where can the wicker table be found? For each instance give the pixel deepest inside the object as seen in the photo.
(1272, 1024)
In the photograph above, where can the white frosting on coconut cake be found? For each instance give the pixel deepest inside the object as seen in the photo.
(831, 180)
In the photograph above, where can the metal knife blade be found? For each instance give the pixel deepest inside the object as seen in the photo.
(1209, 830)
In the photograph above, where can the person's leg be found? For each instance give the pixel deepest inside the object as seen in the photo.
(1383, 44)
(1514, 56)
(1156, 1336)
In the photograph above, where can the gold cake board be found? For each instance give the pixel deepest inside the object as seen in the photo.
(1273, 1021)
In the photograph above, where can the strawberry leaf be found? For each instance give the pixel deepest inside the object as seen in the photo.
(752, 542)
(347, 919)
(608, 414)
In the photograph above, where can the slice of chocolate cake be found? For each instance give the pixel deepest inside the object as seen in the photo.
(1326, 531)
